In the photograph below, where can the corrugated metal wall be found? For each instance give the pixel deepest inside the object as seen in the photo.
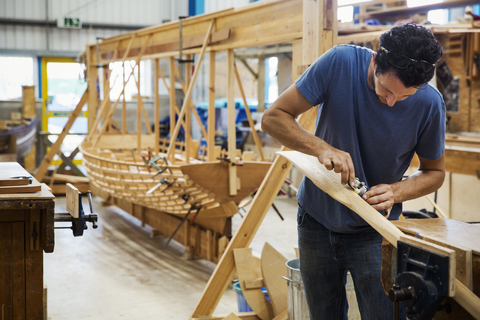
(118, 12)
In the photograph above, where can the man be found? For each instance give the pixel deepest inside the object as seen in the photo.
(376, 109)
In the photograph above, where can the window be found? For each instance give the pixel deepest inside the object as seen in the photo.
(116, 79)
(16, 72)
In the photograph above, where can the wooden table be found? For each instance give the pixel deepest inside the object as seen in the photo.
(26, 230)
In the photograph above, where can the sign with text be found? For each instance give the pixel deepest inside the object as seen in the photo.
(67, 22)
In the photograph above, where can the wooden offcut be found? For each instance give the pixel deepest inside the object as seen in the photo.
(72, 200)
(254, 296)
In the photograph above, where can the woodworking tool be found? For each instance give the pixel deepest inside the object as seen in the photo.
(79, 224)
(160, 170)
(360, 187)
(422, 282)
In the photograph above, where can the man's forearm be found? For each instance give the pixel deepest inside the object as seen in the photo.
(420, 183)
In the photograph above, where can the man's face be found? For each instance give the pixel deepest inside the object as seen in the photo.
(389, 89)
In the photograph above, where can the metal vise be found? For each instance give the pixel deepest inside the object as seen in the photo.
(422, 282)
(75, 213)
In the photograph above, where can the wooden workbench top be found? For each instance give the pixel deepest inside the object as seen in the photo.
(14, 169)
(447, 231)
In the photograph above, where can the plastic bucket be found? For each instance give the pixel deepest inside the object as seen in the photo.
(241, 302)
(297, 303)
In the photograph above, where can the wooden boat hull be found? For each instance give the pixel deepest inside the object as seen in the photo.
(25, 137)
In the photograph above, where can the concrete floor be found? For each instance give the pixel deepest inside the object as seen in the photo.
(119, 272)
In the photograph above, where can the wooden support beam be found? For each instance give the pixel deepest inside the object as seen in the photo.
(249, 115)
(211, 108)
(172, 105)
(232, 134)
(261, 84)
(156, 120)
(124, 102)
(189, 91)
(188, 113)
(56, 146)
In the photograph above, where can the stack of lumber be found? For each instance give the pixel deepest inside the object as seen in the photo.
(13, 187)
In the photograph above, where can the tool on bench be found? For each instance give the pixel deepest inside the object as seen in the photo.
(75, 213)
(422, 282)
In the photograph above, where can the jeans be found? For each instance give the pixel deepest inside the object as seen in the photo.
(325, 258)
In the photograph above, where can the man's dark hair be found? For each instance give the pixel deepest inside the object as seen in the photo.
(400, 45)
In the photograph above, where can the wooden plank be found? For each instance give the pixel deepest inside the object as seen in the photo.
(232, 134)
(211, 108)
(156, 104)
(14, 182)
(172, 103)
(254, 284)
(28, 102)
(245, 271)
(273, 268)
(72, 199)
(455, 233)
(188, 113)
(329, 182)
(56, 146)
(20, 189)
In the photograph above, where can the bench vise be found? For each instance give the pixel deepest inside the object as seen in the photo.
(75, 213)
(422, 282)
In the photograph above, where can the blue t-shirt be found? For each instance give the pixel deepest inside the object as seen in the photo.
(380, 139)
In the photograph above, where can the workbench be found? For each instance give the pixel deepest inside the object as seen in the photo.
(26, 231)
(463, 238)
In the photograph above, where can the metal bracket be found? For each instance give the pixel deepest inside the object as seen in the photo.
(180, 43)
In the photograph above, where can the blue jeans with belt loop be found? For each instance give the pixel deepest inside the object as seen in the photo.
(325, 258)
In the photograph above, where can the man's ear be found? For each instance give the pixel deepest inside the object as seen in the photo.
(374, 58)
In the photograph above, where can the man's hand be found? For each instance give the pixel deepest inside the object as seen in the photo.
(338, 161)
(380, 197)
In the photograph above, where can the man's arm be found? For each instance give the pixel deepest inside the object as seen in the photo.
(279, 122)
(427, 179)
